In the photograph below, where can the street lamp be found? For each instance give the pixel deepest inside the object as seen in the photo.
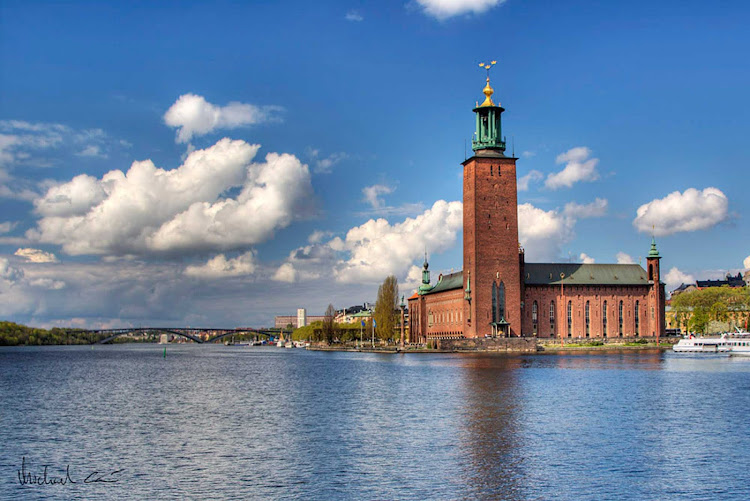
(403, 307)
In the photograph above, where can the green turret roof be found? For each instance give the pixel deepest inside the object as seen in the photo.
(653, 252)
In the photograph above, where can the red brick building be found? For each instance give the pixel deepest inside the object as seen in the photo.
(499, 294)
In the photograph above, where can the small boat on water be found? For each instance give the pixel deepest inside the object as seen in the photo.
(280, 343)
(735, 343)
(289, 344)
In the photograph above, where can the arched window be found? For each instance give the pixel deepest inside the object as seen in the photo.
(498, 302)
(552, 319)
(588, 321)
(620, 319)
(637, 318)
(604, 319)
(570, 319)
(534, 315)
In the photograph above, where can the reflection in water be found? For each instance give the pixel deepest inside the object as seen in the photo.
(488, 436)
(214, 422)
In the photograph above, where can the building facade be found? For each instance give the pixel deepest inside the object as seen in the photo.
(498, 294)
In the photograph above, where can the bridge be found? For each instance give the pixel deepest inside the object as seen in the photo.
(195, 334)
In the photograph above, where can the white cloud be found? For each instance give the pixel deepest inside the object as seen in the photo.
(36, 255)
(674, 278)
(354, 15)
(325, 165)
(7, 227)
(746, 263)
(523, 181)
(443, 9)
(219, 267)
(148, 209)
(691, 210)
(92, 150)
(194, 116)
(623, 258)
(528, 154)
(543, 233)
(9, 273)
(578, 167)
(47, 283)
(586, 259)
(377, 249)
(597, 208)
(285, 273)
(372, 194)
(318, 236)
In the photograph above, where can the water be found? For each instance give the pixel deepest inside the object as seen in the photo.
(215, 422)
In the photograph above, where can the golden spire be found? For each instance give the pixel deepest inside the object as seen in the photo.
(488, 91)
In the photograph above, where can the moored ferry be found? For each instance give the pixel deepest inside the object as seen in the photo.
(737, 343)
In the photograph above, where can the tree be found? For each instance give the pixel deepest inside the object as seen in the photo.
(696, 308)
(329, 326)
(386, 308)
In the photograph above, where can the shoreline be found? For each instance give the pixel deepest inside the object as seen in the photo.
(542, 349)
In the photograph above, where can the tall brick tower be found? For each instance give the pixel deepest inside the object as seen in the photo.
(656, 296)
(492, 257)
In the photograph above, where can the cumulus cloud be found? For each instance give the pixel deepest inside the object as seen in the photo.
(691, 210)
(377, 248)
(354, 15)
(524, 181)
(193, 116)
(623, 258)
(444, 9)
(285, 273)
(586, 259)
(543, 233)
(219, 266)
(36, 255)
(746, 263)
(372, 194)
(674, 278)
(148, 209)
(370, 252)
(578, 167)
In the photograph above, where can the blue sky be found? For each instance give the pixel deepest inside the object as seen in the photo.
(122, 203)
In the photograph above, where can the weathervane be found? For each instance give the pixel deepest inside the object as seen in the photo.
(487, 91)
(488, 67)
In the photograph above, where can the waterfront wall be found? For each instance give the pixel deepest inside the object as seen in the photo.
(505, 345)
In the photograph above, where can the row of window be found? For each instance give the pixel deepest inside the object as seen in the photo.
(587, 316)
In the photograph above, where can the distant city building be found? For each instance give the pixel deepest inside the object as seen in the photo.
(736, 281)
(301, 317)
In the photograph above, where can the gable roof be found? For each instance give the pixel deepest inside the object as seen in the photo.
(575, 274)
(448, 282)
(585, 274)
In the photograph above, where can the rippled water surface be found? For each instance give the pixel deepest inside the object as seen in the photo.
(215, 422)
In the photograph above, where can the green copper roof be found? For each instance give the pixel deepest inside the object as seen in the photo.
(653, 252)
(575, 274)
(585, 274)
(448, 282)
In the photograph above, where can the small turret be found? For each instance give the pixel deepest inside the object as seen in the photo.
(425, 286)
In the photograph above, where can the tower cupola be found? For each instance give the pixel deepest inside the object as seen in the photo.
(488, 135)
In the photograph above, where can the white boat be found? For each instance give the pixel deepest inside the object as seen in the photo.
(736, 343)
(280, 343)
(289, 344)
